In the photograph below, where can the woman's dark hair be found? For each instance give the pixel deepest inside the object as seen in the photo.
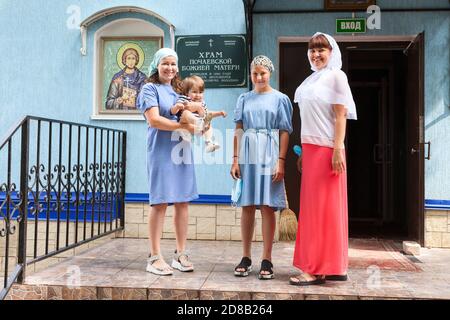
(176, 82)
(318, 42)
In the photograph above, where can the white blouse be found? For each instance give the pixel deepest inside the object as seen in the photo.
(315, 97)
(318, 121)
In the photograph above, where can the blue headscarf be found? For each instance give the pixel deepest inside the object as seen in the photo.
(160, 54)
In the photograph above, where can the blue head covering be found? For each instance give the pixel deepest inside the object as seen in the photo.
(160, 54)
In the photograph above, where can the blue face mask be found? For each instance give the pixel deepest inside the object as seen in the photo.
(236, 191)
(297, 150)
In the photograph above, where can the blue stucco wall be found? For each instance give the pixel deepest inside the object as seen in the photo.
(45, 74)
(436, 25)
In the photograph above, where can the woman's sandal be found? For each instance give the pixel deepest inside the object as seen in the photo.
(337, 277)
(267, 266)
(246, 264)
(179, 265)
(305, 282)
(166, 271)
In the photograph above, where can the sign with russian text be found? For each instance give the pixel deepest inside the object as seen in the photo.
(350, 25)
(220, 60)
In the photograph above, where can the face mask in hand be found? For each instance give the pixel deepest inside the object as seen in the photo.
(236, 191)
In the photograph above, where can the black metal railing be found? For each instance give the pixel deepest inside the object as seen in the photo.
(62, 184)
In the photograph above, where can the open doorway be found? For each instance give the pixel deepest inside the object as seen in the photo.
(385, 144)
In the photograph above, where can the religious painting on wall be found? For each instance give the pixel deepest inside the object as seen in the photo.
(348, 5)
(124, 68)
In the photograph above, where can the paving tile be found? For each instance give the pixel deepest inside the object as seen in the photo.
(129, 294)
(104, 293)
(173, 294)
(71, 293)
(181, 280)
(130, 279)
(224, 295)
(277, 296)
(27, 292)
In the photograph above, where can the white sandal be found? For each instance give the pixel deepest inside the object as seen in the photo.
(158, 271)
(177, 264)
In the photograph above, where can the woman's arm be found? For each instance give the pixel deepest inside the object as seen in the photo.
(155, 120)
(339, 137)
(235, 170)
(284, 143)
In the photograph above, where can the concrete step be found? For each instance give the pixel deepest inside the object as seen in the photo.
(116, 271)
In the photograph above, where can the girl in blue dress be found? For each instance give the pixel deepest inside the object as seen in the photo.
(170, 167)
(263, 119)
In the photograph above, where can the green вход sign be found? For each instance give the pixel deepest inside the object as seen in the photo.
(350, 25)
(220, 60)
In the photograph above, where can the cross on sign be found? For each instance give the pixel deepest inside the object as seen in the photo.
(210, 42)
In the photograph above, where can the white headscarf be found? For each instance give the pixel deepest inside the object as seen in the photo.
(159, 55)
(329, 84)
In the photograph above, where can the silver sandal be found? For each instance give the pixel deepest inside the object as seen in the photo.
(177, 264)
(158, 271)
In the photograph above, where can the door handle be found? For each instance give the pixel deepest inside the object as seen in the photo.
(428, 157)
(414, 151)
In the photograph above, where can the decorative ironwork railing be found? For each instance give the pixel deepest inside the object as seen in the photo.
(62, 184)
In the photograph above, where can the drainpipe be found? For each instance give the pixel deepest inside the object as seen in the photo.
(248, 7)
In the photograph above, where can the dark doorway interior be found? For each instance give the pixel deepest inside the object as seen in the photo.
(384, 184)
(377, 144)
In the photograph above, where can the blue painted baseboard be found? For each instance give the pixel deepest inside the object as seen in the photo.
(226, 199)
(97, 212)
(437, 204)
(203, 198)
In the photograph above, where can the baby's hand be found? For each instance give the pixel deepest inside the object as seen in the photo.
(177, 107)
(223, 113)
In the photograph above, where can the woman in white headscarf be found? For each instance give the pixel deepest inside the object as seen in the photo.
(325, 102)
(170, 180)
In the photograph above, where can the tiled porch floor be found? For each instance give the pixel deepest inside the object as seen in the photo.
(116, 270)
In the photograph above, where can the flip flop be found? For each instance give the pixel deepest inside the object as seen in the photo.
(301, 283)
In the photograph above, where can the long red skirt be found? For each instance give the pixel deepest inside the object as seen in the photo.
(322, 238)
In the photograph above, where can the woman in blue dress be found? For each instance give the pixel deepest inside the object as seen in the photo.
(263, 119)
(170, 166)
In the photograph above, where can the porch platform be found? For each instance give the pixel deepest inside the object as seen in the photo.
(116, 270)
